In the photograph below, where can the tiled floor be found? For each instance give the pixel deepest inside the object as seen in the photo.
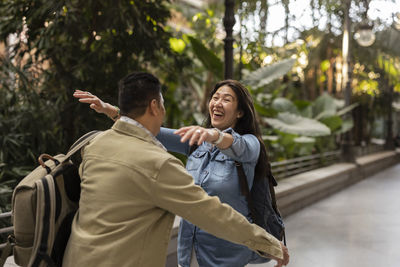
(359, 226)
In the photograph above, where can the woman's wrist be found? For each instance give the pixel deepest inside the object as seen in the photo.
(219, 137)
(113, 112)
(117, 114)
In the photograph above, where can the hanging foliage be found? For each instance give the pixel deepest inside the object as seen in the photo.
(295, 124)
(267, 74)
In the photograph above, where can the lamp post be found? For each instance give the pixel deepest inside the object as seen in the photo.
(229, 21)
(389, 142)
(364, 37)
(364, 34)
(347, 146)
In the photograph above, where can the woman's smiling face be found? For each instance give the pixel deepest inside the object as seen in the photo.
(223, 108)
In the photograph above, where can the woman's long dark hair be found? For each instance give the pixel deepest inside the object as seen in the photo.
(247, 124)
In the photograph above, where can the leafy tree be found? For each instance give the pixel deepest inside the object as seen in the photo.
(54, 47)
(86, 45)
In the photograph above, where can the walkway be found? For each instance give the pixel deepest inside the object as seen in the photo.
(356, 227)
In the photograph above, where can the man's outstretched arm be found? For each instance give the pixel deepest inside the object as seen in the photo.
(175, 191)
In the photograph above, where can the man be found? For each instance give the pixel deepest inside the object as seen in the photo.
(131, 189)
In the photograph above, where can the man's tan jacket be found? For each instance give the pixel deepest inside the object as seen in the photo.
(131, 191)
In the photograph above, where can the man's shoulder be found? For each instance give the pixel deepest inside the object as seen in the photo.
(129, 151)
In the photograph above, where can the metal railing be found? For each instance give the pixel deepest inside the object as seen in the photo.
(5, 231)
(286, 168)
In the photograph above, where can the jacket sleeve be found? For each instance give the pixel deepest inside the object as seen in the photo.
(172, 142)
(245, 148)
(174, 190)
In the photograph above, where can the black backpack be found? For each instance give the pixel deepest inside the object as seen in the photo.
(262, 205)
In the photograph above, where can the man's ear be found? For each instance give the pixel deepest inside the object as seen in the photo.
(240, 114)
(154, 107)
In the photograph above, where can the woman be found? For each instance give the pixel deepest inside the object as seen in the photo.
(231, 134)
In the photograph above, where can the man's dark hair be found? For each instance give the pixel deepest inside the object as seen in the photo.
(136, 91)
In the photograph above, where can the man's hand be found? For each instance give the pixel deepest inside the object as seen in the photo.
(285, 261)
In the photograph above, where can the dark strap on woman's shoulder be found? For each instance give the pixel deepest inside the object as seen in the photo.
(244, 188)
(192, 149)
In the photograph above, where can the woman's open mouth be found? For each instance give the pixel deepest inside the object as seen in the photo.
(217, 115)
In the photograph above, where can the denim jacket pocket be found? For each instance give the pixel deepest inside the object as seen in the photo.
(223, 166)
(195, 160)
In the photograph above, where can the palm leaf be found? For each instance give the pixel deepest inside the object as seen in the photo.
(295, 124)
(265, 110)
(333, 122)
(347, 125)
(324, 106)
(271, 138)
(304, 140)
(301, 104)
(267, 74)
(284, 105)
(347, 109)
(210, 61)
(307, 112)
(339, 103)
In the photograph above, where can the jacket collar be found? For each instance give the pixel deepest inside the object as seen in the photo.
(136, 130)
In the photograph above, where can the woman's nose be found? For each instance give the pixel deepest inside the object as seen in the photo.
(218, 102)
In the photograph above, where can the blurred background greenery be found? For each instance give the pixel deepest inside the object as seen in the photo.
(294, 72)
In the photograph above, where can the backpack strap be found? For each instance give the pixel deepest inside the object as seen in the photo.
(272, 183)
(6, 253)
(192, 149)
(81, 142)
(244, 188)
(44, 225)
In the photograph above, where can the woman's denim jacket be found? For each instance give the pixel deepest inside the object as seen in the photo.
(215, 171)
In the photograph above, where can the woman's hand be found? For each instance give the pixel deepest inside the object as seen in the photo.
(197, 134)
(96, 103)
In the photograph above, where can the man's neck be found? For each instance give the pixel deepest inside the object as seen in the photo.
(148, 123)
(143, 127)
